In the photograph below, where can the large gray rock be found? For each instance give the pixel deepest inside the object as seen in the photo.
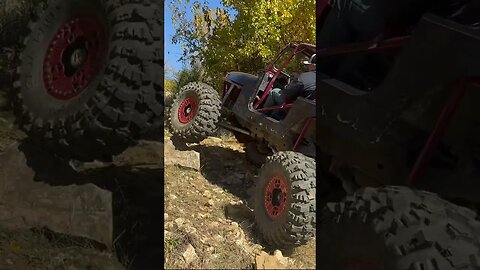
(25, 202)
(266, 261)
(189, 255)
(188, 159)
(145, 153)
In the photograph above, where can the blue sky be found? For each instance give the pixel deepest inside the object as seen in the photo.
(173, 51)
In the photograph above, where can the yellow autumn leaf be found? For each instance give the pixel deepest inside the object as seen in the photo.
(247, 41)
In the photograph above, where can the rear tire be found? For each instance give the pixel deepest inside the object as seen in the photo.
(293, 175)
(399, 229)
(90, 81)
(195, 112)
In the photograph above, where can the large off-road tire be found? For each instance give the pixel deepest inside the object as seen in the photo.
(91, 76)
(195, 112)
(257, 154)
(285, 200)
(396, 228)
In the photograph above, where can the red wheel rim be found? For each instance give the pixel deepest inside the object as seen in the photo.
(74, 57)
(187, 110)
(276, 194)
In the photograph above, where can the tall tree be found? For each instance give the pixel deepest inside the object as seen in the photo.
(241, 35)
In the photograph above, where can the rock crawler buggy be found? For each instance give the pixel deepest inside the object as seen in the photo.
(285, 192)
(409, 124)
(90, 82)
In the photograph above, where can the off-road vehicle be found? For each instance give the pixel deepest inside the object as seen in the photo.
(285, 191)
(90, 80)
(399, 131)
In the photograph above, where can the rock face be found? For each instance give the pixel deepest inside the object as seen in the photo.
(188, 159)
(25, 202)
(145, 153)
(266, 261)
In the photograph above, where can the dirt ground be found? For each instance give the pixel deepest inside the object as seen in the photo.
(42, 249)
(198, 207)
(137, 196)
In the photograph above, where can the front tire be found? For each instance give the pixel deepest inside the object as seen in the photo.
(195, 112)
(395, 228)
(90, 80)
(285, 200)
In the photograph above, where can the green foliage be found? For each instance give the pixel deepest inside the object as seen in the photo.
(246, 41)
(185, 76)
(170, 86)
(188, 75)
(170, 244)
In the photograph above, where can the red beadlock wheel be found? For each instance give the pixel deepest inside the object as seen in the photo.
(195, 112)
(284, 200)
(88, 85)
(187, 110)
(74, 56)
(276, 194)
